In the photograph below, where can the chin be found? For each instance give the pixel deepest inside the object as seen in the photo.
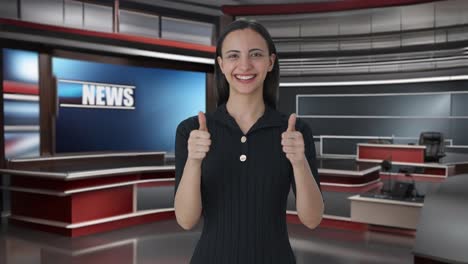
(246, 91)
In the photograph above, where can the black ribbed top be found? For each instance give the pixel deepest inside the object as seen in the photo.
(244, 202)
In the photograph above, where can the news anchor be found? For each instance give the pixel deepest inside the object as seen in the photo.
(236, 166)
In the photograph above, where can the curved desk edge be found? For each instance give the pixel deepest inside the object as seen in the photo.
(88, 173)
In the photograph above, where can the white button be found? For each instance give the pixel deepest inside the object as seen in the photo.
(243, 139)
(243, 158)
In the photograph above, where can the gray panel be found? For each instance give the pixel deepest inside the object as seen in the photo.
(341, 146)
(287, 47)
(391, 19)
(45, 11)
(319, 46)
(463, 9)
(73, 14)
(323, 26)
(139, 23)
(358, 23)
(355, 69)
(441, 36)
(386, 41)
(385, 68)
(291, 203)
(448, 86)
(417, 16)
(422, 188)
(284, 29)
(442, 232)
(378, 127)
(459, 131)
(457, 34)
(452, 63)
(386, 19)
(155, 197)
(98, 17)
(452, 128)
(186, 30)
(337, 203)
(8, 9)
(459, 104)
(360, 44)
(389, 105)
(417, 38)
(419, 66)
(450, 13)
(457, 150)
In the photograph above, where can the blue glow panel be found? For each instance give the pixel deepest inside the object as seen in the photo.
(21, 113)
(21, 66)
(21, 144)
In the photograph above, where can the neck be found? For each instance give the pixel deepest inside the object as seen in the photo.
(245, 107)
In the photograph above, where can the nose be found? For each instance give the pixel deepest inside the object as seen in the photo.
(244, 63)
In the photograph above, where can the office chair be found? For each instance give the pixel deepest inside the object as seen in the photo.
(435, 145)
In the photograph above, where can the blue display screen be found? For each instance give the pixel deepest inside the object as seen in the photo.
(108, 107)
(21, 103)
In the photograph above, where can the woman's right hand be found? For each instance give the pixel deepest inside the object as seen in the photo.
(199, 140)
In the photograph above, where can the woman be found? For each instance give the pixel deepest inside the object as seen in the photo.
(236, 166)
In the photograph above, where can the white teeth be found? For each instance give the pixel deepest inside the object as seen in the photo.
(245, 77)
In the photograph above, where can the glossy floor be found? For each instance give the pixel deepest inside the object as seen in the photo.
(166, 242)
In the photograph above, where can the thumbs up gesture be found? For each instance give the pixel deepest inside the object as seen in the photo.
(293, 142)
(199, 140)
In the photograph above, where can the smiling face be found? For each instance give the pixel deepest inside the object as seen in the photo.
(245, 61)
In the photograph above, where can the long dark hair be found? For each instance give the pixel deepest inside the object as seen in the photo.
(271, 83)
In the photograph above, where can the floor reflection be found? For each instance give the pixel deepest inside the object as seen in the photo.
(165, 242)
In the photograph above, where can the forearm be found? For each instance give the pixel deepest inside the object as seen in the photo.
(187, 201)
(309, 202)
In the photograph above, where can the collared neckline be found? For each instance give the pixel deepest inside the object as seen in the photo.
(270, 118)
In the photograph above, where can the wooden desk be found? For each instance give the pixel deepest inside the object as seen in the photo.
(394, 152)
(385, 212)
(85, 194)
(412, 156)
(347, 173)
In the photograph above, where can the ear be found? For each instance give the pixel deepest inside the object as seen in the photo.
(220, 63)
(272, 61)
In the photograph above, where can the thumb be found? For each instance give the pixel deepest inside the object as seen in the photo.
(202, 121)
(292, 123)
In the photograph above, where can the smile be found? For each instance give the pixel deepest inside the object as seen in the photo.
(245, 77)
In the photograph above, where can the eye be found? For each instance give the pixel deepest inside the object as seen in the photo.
(233, 56)
(256, 54)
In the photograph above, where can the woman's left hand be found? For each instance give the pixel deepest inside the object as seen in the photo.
(293, 143)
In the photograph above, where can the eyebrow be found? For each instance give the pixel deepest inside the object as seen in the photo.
(237, 51)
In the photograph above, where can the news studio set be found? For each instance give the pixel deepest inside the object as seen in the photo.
(93, 92)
